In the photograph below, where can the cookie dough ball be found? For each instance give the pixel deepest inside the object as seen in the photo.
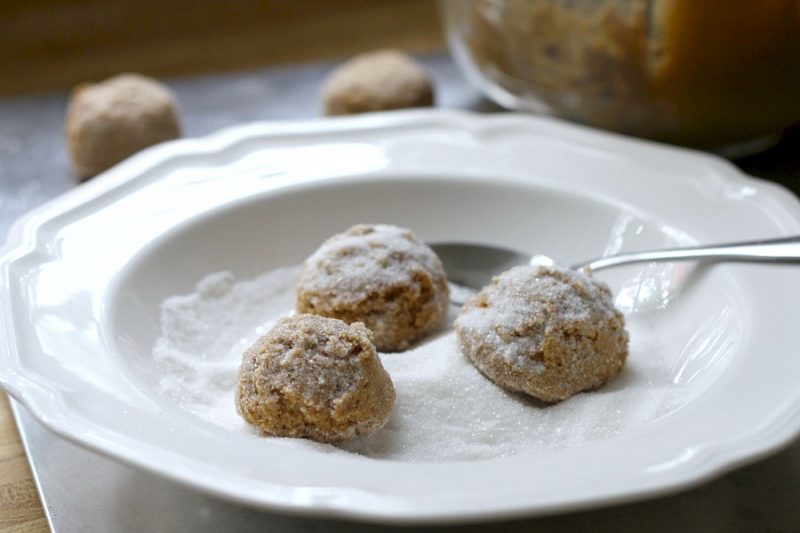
(545, 331)
(109, 121)
(317, 378)
(377, 81)
(380, 275)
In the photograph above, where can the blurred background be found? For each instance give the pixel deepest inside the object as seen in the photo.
(719, 74)
(54, 44)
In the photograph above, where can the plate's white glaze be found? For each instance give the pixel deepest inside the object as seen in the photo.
(82, 279)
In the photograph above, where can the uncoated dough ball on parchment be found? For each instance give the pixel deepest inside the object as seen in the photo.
(377, 81)
(380, 275)
(317, 378)
(109, 121)
(545, 331)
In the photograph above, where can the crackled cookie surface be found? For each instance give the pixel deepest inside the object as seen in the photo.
(380, 275)
(544, 331)
(317, 378)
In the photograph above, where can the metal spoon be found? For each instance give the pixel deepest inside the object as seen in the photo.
(474, 265)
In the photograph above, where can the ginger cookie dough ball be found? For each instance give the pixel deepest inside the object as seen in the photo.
(380, 275)
(109, 121)
(545, 331)
(317, 378)
(377, 81)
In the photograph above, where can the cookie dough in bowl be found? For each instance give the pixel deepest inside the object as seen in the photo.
(380, 275)
(544, 331)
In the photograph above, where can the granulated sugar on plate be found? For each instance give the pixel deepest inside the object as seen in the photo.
(445, 409)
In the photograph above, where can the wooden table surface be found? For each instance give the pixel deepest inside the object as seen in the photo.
(244, 36)
(20, 509)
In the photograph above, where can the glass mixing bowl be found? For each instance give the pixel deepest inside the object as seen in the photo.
(704, 73)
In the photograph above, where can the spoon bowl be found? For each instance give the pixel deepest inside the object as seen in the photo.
(474, 265)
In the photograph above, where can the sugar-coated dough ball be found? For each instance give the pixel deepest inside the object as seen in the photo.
(109, 121)
(380, 275)
(317, 378)
(545, 331)
(377, 81)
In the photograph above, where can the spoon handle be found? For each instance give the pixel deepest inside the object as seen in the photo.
(783, 250)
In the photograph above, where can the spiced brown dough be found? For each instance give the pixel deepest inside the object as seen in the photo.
(380, 275)
(109, 121)
(317, 378)
(377, 81)
(544, 331)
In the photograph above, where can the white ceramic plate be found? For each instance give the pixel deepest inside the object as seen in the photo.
(83, 278)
